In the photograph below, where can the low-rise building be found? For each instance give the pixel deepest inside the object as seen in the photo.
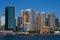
(44, 30)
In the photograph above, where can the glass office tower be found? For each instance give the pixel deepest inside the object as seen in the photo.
(10, 18)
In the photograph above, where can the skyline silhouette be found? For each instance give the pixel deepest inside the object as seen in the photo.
(38, 5)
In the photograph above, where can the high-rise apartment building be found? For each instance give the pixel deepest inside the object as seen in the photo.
(56, 22)
(10, 18)
(38, 21)
(43, 19)
(24, 17)
(3, 20)
(51, 20)
(30, 14)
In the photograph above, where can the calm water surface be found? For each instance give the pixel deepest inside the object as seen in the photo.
(29, 37)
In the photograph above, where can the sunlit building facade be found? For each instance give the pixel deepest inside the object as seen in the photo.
(29, 14)
(38, 21)
(51, 20)
(43, 19)
(24, 17)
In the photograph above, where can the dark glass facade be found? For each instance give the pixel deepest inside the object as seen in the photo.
(10, 18)
(19, 21)
(56, 22)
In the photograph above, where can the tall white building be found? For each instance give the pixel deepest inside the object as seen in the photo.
(30, 18)
(51, 20)
(43, 16)
(3, 20)
(38, 21)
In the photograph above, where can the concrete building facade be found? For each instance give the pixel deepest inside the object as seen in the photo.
(38, 21)
(51, 20)
(43, 16)
(30, 15)
(3, 20)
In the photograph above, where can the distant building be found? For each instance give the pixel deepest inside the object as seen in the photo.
(46, 22)
(43, 23)
(51, 20)
(38, 21)
(10, 18)
(29, 14)
(19, 21)
(3, 20)
(43, 19)
(56, 22)
(59, 24)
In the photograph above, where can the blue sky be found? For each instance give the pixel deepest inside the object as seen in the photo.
(38, 5)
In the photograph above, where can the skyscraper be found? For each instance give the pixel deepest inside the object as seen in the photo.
(19, 21)
(51, 20)
(24, 17)
(56, 22)
(43, 19)
(30, 13)
(10, 18)
(38, 21)
(3, 20)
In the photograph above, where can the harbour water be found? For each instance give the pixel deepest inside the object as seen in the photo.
(29, 37)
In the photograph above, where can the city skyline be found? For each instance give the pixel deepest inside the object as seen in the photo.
(28, 22)
(38, 5)
(29, 19)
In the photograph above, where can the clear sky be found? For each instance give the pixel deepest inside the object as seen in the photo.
(38, 5)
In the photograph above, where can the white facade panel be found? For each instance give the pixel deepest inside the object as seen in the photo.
(2, 20)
